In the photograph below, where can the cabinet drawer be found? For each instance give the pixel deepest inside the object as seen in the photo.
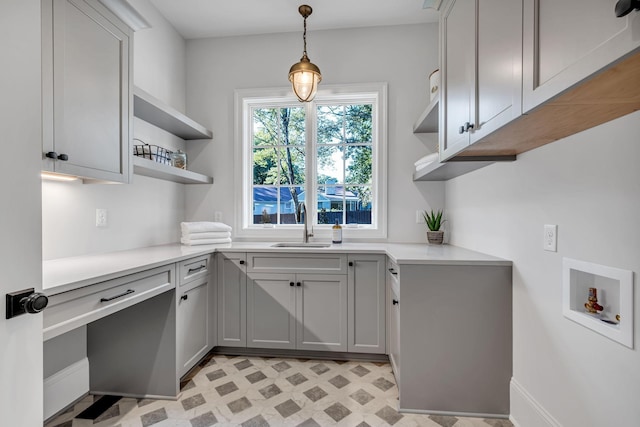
(297, 263)
(193, 268)
(69, 310)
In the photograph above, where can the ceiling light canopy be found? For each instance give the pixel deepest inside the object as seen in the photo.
(305, 75)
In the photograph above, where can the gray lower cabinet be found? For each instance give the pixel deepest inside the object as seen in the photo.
(366, 295)
(393, 323)
(297, 311)
(193, 324)
(232, 294)
(454, 338)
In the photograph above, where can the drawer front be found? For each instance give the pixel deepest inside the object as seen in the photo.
(297, 263)
(193, 268)
(69, 310)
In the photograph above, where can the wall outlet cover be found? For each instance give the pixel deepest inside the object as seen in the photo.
(550, 238)
(101, 218)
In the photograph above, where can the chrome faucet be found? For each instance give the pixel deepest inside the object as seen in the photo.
(302, 208)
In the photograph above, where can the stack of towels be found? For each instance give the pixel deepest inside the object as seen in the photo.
(426, 161)
(204, 233)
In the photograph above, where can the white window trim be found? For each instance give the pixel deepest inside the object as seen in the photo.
(243, 229)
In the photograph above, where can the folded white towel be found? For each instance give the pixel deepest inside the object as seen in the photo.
(203, 227)
(429, 158)
(207, 235)
(190, 242)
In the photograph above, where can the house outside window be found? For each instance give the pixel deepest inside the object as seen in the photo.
(329, 154)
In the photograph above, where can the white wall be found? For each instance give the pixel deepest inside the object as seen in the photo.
(146, 212)
(403, 56)
(589, 185)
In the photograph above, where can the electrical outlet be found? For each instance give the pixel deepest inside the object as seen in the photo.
(101, 218)
(419, 217)
(217, 216)
(550, 238)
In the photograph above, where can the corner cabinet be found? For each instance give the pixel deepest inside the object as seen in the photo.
(481, 70)
(86, 61)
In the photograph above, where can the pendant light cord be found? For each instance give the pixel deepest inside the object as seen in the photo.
(304, 37)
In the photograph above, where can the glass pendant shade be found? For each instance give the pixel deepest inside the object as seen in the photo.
(304, 77)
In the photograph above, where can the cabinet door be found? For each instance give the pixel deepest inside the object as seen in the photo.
(566, 41)
(86, 90)
(193, 321)
(271, 311)
(232, 294)
(394, 333)
(499, 66)
(321, 312)
(458, 27)
(366, 293)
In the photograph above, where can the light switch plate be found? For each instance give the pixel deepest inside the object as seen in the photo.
(550, 238)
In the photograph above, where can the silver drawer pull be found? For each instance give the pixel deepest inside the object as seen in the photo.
(130, 291)
(195, 270)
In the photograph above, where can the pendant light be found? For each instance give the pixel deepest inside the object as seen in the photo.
(305, 75)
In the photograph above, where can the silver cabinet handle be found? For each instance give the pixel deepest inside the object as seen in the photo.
(127, 292)
(195, 270)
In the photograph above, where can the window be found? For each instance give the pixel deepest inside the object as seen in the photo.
(329, 154)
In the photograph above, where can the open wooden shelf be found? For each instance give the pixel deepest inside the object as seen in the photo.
(428, 120)
(146, 167)
(442, 171)
(154, 111)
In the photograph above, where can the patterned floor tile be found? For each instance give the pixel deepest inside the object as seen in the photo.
(277, 392)
(337, 411)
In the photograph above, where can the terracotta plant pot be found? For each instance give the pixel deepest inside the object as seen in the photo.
(435, 237)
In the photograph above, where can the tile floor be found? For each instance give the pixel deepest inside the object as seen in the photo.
(261, 392)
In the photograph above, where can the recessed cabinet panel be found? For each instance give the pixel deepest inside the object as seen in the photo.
(322, 312)
(232, 294)
(367, 304)
(458, 25)
(193, 323)
(567, 41)
(271, 311)
(499, 64)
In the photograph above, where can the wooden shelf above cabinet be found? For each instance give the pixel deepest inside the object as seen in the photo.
(609, 94)
(443, 171)
(154, 111)
(428, 120)
(146, 167)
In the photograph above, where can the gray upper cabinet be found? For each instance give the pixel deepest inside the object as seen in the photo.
(481, 70)
(232, 299)
(87, 57)
(366, 293)
(567, 41)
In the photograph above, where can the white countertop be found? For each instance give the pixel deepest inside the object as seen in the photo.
(70, 273)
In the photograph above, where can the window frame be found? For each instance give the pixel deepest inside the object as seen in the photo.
(248, 99)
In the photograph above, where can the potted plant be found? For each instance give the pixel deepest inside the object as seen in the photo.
(434, 221)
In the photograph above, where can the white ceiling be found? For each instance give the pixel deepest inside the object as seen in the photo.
(220, 18)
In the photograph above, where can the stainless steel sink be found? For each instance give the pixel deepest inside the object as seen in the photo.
(300, 245)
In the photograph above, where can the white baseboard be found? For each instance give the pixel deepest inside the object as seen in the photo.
(65, 386)
(526, 411)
